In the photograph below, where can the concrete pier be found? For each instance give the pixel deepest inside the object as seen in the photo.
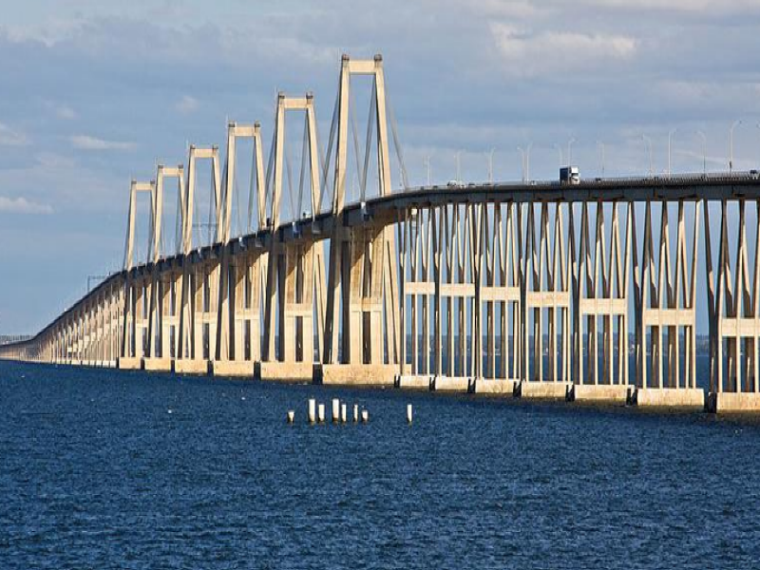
(686, 398)
(243, 369)
(733, 402)
(189, 366)
(129, 363)
(600, 393)
(297, 372)
(449, 384)
(543, 390)
(491, 387)
(157, 364)
(413, 382)
(355, 374)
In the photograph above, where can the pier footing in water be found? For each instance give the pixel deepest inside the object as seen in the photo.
(414, 382)
(688, 398)
(284, 371)
(128, 363)
(451, 384)
(234, 368)
(488, 386)
(355, 374)
(189, 366)
(534, 390)
(602, 393)
(733, 402)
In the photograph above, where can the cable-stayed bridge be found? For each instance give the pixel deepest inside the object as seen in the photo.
(326, 273)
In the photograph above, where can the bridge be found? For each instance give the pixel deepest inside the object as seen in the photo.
(528, 289)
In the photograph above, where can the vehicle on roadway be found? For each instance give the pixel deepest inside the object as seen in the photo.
(569, 175)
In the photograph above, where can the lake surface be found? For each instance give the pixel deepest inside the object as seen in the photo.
(102, 469)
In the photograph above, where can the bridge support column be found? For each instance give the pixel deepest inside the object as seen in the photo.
(295, 292)
(665, 304)
(547, 292)
(734, 300)
(601, 293)
(361, 280)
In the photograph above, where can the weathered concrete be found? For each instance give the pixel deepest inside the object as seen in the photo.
(413, 382)
(669, 398)
(733, 402)
(190, 366)
(451, 384)
(284, 372)
(157, 364)
(355, 374)
(609, 393)
(128, 363)
(238, 369)
(493, 387)
(543, 390)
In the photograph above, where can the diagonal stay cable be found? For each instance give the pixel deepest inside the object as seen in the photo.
(289, 171)
(326, 158)
(304, 150)
(370, 131)
(396, 140)
(355, 133)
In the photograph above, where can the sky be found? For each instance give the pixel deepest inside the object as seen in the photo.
(95, 93)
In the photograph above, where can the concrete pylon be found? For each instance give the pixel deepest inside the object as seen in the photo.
(294, 285)
(162, 282)
(134, 321)
(362, 277)
(196, 281)
(242, 268)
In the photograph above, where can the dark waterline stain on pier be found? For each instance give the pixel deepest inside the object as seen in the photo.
(100, 469)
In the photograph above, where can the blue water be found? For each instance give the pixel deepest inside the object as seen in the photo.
(95, 472)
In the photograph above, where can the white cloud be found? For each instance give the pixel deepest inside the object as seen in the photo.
(23, 206)
(65, 112)
(9, 137)
(87, 142)
(696, 6)
(529, 54)
(187, 105)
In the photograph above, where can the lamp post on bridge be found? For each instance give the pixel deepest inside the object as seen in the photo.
(457, 156)
(525, 161)
(648, 147)
(703, 136)
(426, 164)
(670, 148)
(731, 144)
(489, 154)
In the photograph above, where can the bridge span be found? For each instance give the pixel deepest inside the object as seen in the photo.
(587, 291)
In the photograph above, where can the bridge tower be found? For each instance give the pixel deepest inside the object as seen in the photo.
(135, 314)
(197, 279)
(362, 289)
(243, 268)
(162, 276)
(295, 278)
